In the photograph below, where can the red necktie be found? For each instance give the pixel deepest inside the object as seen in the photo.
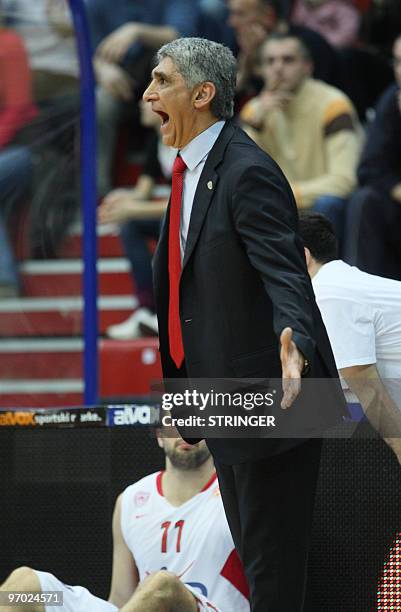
(174, 263)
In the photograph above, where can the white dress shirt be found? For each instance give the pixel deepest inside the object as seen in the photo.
(195, 155)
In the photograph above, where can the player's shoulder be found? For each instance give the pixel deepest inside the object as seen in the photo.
(141, 490)
(339, 279)
(213, 509)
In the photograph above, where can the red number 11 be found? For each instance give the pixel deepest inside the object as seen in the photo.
(165, 527)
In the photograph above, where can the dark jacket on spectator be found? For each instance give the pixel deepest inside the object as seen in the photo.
(380, 165)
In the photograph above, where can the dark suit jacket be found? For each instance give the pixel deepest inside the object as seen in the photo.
(244, 279)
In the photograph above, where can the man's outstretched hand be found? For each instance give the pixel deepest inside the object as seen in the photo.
(292, 364)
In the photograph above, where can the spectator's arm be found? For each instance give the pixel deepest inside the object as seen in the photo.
(128, 40)
(122, 205)
(145, 186)
(252, 116)
(153, 36)
(342, 148)
(253, 119)
(114, 79)
(125, 576)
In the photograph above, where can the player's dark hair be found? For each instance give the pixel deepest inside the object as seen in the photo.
(318, 235)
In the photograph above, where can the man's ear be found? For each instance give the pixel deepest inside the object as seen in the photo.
(309, 67)
(159, 437)
(203, 95)
(308, 256)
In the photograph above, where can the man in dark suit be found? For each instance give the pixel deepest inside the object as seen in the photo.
(234, 301)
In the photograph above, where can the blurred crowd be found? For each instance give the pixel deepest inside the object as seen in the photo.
(318, 88)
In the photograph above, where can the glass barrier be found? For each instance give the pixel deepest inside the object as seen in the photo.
(40, 267)
(44, 359)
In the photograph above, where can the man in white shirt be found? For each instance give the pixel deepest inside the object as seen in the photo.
(173, 549)
(362, 315)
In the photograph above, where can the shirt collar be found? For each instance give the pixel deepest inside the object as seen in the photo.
(329, 266)
(195, 151)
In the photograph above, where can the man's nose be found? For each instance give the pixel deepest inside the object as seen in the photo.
(277, 65)
(149, 93)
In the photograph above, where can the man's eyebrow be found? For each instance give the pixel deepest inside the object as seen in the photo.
(159, 74)
(279, 56)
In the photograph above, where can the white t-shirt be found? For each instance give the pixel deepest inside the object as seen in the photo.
(362, 315)
(193, 541)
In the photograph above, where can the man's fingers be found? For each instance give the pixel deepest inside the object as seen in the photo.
(291, 389)
(115, 195)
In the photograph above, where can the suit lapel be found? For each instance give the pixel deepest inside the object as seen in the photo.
(206, 189)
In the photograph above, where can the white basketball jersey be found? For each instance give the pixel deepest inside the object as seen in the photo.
(193, 541)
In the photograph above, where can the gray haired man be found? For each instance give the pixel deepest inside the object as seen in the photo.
(234, 301)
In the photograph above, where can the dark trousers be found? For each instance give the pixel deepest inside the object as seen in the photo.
(15, 179)
(269, 507)
(135, 235)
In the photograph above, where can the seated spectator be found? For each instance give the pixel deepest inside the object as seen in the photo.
(336, 20)
(308, 127)
(125, 35)
(254, 20)
(46, 28)
(374, 215)
(139, 218)
(16, 110)
(172, 547)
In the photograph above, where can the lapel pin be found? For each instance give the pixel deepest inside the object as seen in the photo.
(210, 185)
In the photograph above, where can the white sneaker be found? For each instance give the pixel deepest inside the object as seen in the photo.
(148, 323)
(136, 326)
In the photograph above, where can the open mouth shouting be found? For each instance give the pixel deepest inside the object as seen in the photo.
(164, 117)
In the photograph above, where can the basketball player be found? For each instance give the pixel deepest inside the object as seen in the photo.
(173, 550)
